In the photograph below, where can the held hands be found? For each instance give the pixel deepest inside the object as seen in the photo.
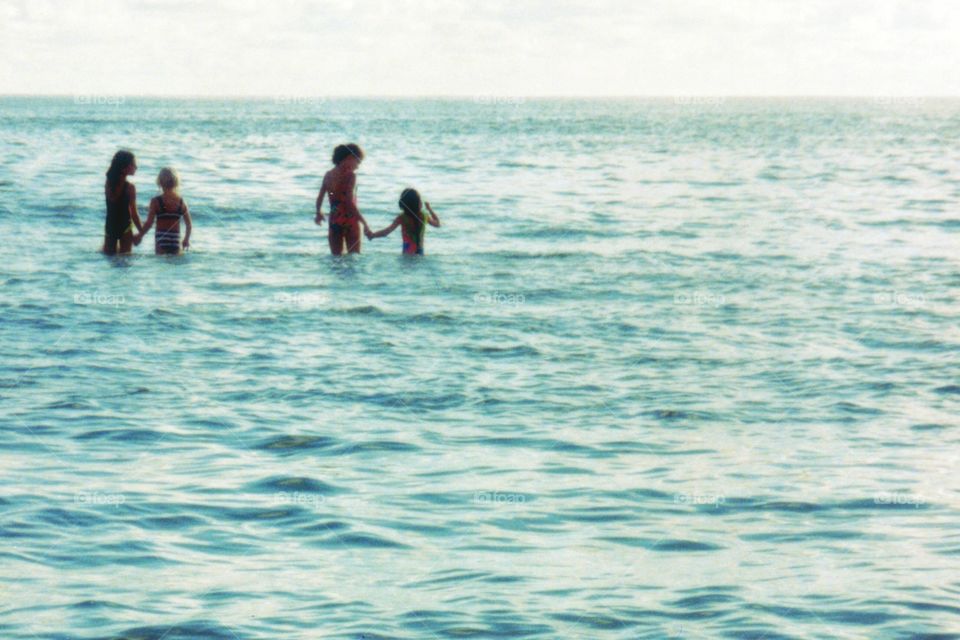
(368, 233)
(137, 239)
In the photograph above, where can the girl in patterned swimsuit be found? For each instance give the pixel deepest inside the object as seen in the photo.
(412, 222)
(340, 185)
(167, 209)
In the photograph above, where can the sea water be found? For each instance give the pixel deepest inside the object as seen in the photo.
(672, 368)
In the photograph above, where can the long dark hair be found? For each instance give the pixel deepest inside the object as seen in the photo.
(121, 160)
(412, 205)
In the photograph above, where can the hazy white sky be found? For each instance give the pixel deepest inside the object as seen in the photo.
(480, 47)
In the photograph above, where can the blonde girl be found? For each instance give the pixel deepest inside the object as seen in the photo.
(167, 209)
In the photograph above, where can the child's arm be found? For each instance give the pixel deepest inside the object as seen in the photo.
(151, 214)
(363, 220)
(433, 219)
(187, 220)
(383, 233)
(323, 192)
(134, 214)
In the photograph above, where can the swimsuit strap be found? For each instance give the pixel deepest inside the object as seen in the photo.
(162, 212)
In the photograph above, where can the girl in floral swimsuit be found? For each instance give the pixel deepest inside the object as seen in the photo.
(412, 222)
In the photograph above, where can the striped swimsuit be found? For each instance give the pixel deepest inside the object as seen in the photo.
(168, 240)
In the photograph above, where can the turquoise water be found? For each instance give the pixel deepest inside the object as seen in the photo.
(670, 369)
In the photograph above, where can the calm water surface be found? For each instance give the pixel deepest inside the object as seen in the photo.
(667, 371)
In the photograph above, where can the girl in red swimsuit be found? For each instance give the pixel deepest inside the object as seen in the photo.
(340, 186)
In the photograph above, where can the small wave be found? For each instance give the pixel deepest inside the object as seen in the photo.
(499, 351)
(517, 255)
(365, 310)
(291, 483)
(325, 527)
(950, 388)
(417, 401)
(851, 407)
(362, 540)
(857, 617)
(70, 518)
(703, 601)
(122, 435)
(804, 537)
(170, 523)
(100, 604)
(186, 631)
(566, 470)
(293, 444)
(544, 444)
(680, 414)
(71, 404)
(892, 179)
(258, 514)
(562, 233)
(929, 427)
(594, 620)
(376, 445)
(447, 499)
(453, 576)
(663, 544)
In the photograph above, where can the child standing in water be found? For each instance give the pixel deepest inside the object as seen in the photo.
(121, 205)
(340, 185)
(412, 222)
(167, 209)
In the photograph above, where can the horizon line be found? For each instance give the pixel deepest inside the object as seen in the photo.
(478, 97)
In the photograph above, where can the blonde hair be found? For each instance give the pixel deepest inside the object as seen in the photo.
(168, 179)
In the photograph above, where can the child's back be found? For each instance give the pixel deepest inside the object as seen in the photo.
(167, 209)
(413, 229)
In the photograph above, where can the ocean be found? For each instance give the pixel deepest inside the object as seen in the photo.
(670, 368)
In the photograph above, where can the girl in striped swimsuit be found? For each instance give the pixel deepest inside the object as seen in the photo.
(167, 209)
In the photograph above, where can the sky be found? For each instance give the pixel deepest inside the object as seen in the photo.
(471, 48)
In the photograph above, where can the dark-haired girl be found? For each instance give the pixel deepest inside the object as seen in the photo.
(121, 205)
(412, 222)
(340, 186)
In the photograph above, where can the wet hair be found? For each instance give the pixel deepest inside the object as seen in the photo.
(410, 201)
(412, 205)
(343, 151)
(121, 160)
(168, 179)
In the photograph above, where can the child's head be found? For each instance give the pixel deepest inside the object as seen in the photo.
(410, 201)
(351, 154)
(123, 164)
(168, 180)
